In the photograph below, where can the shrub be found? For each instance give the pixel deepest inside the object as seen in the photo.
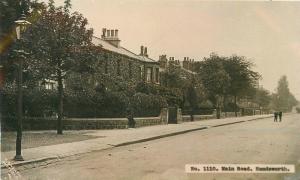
(147, 105)
(36, 102)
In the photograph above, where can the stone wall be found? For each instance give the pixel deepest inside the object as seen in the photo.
(187, 118)
(148, 121)
(8, 124)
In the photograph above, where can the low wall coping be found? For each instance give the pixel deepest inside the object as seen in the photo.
(145, 118)
(96, 119)
(91, 119)
(198, 115)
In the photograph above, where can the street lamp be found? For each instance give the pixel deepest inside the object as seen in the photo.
(21, 26)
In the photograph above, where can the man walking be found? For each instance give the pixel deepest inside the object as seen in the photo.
(275, 116)
(280, 116)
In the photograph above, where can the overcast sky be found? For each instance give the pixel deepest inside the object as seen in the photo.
(266, 32)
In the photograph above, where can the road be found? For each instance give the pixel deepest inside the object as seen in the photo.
(255, 142)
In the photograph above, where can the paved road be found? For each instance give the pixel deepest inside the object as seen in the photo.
(258, 142)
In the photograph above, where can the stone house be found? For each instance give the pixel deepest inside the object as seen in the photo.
(184, 68)
(118, 61)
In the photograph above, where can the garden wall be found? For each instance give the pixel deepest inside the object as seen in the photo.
(187, 118)
(9, 123)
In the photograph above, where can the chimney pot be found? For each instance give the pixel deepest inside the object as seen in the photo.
(145, 52)
(112, 33)
(142, 51)
(103, 32)
(116, 33)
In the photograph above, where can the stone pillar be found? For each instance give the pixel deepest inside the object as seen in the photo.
(164, 115)
(179, 116)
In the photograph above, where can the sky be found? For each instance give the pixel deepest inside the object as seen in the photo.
(268, 33)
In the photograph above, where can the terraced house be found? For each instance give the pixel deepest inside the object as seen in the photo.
(119, 61)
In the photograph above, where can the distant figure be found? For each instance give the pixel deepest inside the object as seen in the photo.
(280, 116)
(275, 116)
(131, 121)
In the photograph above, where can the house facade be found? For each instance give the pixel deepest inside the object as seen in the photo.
(120, 62)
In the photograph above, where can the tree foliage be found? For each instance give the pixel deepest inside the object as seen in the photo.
(223, 77)
(262, 97)
(215, 79)
(283, 99)
(59, 43)
(242, 77)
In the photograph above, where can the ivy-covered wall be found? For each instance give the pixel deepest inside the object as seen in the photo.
(117, 65)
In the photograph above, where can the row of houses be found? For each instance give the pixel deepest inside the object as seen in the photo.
(121, 62)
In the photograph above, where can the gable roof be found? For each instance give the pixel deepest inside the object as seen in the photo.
(120, 50)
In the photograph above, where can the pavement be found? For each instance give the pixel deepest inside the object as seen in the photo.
(107, 139)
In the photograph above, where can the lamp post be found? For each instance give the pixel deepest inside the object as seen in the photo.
(21, 25)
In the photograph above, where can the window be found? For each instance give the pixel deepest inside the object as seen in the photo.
(130, 69)
(106, 66)
(118, 68)
(49, 85)
(141, 72)
(149, 75)
(157, 75)
(106, 57)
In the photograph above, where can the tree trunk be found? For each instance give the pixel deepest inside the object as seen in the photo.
(224, 104)
(218, 104)
(235, 105)
(218, 113)
(60, 103)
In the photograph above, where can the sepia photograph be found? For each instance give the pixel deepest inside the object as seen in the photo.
(149, 90)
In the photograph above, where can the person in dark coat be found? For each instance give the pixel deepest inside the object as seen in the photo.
(280, 116)
(275, 116)
(131, 121)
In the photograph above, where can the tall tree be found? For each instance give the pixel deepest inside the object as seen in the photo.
(242, 77)
(215, 79)
(10, 11)
(283, 100)
(262, 97)
(192, 97)
(59, 43)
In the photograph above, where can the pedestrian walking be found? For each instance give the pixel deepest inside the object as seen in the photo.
(275, 116)
(131, 121)
(280, 116)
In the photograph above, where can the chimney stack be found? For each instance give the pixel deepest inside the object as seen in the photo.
(142, 51)
(116, 33)
(103, 32)
(111, 36)
(112, 33)
(145, 52)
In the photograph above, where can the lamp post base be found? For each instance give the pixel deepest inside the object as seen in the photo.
(18, 158)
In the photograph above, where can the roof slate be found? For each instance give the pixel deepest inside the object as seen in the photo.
(120, 50)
